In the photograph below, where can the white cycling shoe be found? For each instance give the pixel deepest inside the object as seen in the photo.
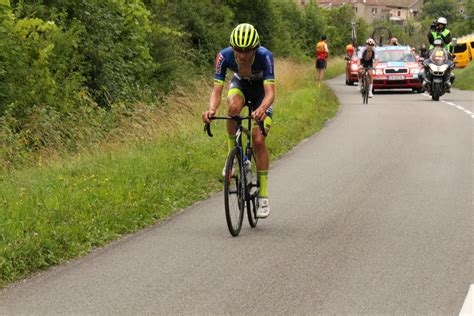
(371, 95)
(263, 208)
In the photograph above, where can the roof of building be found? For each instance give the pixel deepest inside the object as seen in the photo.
(400, 3)
(388, 3)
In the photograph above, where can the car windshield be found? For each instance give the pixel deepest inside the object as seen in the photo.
(396, 55)
(459, 48)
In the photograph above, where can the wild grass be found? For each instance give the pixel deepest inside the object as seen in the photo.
(465, 77)
(157, 162)
(336, 66)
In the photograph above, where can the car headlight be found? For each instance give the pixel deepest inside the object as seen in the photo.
(354, 67)
(414, 70)
(379, 71)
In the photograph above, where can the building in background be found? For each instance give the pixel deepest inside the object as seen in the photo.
(371, 10)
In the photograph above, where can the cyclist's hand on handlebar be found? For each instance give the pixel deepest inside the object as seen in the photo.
(207, 115)
(259, 115)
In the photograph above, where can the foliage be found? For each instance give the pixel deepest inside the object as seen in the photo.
(465, 77)
(339, 31)
(466, 25)
(442, 8)
(408, 34)
(260, 13)
(450, 9)
(204, 26)
(84, 66)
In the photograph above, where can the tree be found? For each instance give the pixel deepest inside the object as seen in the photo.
(442, 8)
(259, 13)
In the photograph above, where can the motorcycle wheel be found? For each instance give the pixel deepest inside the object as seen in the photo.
(436, 91)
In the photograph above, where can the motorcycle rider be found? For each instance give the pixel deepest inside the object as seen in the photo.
(437, 45)
(440, 31)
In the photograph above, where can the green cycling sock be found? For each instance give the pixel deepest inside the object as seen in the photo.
(263, 179)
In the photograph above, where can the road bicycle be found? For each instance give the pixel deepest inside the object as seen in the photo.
(241, 185)
(365, 85)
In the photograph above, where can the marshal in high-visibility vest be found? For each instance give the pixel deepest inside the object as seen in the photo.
(440, 31)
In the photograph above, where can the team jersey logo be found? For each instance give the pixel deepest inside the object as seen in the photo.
(219, 61)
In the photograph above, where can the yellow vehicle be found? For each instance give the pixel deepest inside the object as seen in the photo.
(464, 50)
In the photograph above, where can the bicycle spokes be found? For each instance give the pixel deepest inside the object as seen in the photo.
(234, 192)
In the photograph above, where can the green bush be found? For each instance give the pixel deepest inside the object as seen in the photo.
(84, 65)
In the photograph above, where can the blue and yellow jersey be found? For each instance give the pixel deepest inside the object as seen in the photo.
(262, 66)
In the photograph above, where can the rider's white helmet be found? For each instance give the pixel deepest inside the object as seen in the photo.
(370, 41)
(442, 20)
(437, 42)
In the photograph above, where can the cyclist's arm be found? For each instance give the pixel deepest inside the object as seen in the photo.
(268, 86)
(375, 59)
(259, 113)
(220, 68)
(214, 101)
(216, 97)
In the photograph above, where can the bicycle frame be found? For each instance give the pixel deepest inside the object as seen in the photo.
(246, 190)
(246, 151)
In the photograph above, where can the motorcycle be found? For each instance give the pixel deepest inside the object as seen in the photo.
(437, 75)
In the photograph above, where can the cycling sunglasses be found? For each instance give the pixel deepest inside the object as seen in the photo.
(243, 50)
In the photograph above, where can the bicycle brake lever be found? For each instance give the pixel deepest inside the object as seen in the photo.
(207, 128)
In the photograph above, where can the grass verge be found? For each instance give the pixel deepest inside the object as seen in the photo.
(63, 209)
(465, 77)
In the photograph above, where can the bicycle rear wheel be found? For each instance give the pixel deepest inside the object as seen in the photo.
(252, 189)
(234, 192)
(252, 212)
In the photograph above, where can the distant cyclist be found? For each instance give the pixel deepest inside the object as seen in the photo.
(394, 42)
(253, 80)
(368, 60)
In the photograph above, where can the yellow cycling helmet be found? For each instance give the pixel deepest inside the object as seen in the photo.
(244, 36)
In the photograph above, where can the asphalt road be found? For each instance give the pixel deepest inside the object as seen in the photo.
(373, 215)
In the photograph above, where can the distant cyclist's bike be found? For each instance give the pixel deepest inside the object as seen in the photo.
(365, 85)
(241, 184)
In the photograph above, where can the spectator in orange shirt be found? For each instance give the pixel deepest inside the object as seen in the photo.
(322, 53)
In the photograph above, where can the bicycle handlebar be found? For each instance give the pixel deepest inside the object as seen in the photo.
(207, 126)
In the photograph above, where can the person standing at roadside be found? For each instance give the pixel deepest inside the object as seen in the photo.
(322, 53)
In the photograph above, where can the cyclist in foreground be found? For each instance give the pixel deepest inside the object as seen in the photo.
(254, 81)
(367, 61)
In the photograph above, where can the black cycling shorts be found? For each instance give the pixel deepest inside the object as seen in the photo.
(251, 90)
(321, 64)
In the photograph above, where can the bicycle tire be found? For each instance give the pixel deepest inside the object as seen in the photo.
(234, 192)
(366, 90)
(253, 188)
(362, 88)
(252, 212)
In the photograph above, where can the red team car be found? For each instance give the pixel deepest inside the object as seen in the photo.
(352, 65)
(397, 68)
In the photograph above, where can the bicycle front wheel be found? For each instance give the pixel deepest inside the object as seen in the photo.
(366, 90)
(234, 192)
